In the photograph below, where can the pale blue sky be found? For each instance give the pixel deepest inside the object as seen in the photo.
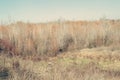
(49, 10)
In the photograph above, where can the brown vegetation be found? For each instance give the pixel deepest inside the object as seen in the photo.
(81, 50)
(56, 37)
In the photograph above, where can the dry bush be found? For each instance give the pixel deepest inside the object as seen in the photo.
(56, 37)
(7, 47)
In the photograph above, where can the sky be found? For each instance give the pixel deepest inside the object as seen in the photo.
(50, 10)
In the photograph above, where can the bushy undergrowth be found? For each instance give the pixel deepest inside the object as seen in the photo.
(87, 64)
(56, 37)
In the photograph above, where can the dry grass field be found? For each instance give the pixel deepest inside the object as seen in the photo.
(61, 50)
